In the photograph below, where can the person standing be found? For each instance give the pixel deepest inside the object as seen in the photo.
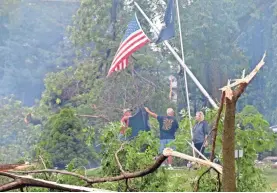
(168, 127)
(127, 113)
(200, 132)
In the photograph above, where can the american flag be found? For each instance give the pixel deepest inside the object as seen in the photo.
(133, 40)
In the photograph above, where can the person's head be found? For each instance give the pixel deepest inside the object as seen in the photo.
(127, 112)
(170, 112)
(199, 116)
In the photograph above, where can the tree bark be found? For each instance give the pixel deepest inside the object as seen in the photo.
(228, 139)
(228, 142)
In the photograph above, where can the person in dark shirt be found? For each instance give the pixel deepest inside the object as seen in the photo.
(168, 127)
(200, 132)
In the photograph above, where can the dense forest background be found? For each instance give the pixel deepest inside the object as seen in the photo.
(34, 41)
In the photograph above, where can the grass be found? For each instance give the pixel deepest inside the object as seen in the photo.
(271, 177)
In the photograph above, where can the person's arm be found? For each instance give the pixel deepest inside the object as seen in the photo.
(151, 113)
(123, 122)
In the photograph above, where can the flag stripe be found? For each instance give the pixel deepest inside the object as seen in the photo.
(130, 44)
(131, 49)
(127, 43)
(133, 35)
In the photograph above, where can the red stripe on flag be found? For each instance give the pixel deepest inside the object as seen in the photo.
(122, 52)
(135, 34)
(137, 45)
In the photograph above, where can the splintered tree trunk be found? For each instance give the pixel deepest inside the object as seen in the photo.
(229, 173)
(228, 139)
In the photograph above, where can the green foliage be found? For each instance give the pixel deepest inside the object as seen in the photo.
(64, 139)
(254, 138)
(137, 154)
(17, 138)
(214, 37)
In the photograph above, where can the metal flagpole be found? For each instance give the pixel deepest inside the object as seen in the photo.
(185, 73)
(198, 84)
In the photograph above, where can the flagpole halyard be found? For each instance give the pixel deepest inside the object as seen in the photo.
(198, 84)
(185, 73)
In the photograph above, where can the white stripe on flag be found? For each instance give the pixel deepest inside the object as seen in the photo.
(125, 64)
(130, 49)
(127, 39)
(132, 41)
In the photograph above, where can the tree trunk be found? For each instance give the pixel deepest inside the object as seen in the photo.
(228, 142)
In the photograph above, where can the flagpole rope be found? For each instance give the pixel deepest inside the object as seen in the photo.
(185, 73)
(170, 89)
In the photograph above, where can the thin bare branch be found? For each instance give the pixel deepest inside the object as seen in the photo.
(215, 128)
(53, 171)
(146, 80)
(117, 160)
(42, 161)
(95, 116)
(196, 187)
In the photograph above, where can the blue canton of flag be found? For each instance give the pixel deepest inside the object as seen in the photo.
(133, 40)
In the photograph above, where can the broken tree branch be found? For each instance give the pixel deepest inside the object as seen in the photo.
(170, 152)
(248, 78)
(127, 175)
(215, 128)
(117, 160)
(219, 182)
(228, 138)
(7, 167)
(160, 159)
(53, 171)
(25, 181)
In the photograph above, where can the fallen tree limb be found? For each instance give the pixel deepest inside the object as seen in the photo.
(22, 181)
(170, 152)
(53, 171)
(160, 159)
(7, 167)
(25, 181)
